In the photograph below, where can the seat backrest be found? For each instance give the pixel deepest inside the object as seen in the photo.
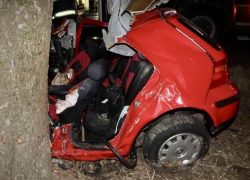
(80, 65)
(97, 71)
(125, 70)
(128, 75)
(133, 74)
(140, 78)
(113, 100)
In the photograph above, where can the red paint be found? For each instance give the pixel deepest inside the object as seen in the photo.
(84, 61)
(182, 78)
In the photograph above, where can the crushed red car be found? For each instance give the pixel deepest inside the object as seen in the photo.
(170, 85)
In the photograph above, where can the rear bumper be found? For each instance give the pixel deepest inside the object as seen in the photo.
(228, 101)
(222, 103)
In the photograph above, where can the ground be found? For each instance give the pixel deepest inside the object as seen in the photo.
(229, 154)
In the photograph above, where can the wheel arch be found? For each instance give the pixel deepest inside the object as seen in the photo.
(201, 115)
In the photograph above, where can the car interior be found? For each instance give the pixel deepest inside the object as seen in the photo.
(104, 97)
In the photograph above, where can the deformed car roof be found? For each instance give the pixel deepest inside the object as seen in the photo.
(122, 13)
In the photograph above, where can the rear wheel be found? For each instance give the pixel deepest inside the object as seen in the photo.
(175, 143)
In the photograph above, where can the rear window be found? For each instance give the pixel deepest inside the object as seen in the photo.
(199, 32)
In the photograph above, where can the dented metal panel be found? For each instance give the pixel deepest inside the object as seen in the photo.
(183, 72)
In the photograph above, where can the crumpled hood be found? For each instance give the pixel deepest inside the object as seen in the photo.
(122, 13)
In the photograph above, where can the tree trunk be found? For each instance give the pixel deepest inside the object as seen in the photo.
(25, 27)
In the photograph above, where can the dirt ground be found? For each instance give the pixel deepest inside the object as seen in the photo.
(229, 154)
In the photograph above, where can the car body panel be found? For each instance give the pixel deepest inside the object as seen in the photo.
(221, 114)
(182, 77)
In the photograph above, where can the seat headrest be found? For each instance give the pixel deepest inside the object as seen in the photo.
(98, 69)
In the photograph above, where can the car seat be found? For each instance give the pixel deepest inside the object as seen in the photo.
(102, 124)
(86, 90)
(79, 65)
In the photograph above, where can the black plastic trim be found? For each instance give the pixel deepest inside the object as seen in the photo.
(227, 101)
(223, 126)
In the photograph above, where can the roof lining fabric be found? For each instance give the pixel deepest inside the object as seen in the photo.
(121, 12)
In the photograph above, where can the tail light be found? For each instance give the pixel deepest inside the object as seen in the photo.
(221, 74)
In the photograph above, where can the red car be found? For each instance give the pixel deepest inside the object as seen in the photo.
(173, 87)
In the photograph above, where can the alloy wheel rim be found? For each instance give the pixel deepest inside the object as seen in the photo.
(180, 149)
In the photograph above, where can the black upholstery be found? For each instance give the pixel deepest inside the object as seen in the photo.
(133, 68)
(141, 77)
(121, 65)
(105, 127)
(97, 50)
(97, 71)
(91, 49)
(59, 90)
(76, 66)
(83, 75)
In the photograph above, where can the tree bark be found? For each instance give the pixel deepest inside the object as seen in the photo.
(25, 27)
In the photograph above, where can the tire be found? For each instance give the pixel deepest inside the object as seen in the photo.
(175, 143)
(208, 20)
